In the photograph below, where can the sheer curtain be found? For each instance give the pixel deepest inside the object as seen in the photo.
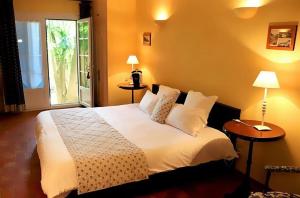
(30, 53)
(10, 79)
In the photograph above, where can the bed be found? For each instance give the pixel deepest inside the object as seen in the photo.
(166, 148)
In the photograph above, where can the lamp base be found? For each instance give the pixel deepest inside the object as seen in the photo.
(262, 128)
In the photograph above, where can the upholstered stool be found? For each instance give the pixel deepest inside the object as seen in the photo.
(275, 194)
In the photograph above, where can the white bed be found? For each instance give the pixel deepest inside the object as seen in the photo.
(165, 147)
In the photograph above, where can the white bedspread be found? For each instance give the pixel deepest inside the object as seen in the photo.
(166, 148)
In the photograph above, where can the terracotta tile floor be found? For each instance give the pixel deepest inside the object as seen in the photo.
(19, 163)
(20, 169)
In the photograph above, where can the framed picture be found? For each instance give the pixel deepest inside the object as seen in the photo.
(281, 37)
(147, 38)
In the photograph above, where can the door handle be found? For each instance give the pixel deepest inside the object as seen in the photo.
(88, 75)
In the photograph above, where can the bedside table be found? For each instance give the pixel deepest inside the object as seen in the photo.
(128, 86)
(248, 133)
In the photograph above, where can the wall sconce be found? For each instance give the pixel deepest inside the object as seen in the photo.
(157, 21)
(247, 9)
(161, 17)
(252, 3)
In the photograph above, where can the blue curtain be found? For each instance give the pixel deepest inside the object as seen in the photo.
(10, 70)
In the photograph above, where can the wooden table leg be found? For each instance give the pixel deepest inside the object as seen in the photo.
(249, 160)
(243, 190)
(132, 96)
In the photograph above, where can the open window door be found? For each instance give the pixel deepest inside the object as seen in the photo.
(85, 70)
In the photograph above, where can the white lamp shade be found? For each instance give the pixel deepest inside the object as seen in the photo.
(132, 60)
(266, 79)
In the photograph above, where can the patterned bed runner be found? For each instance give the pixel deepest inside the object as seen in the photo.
(103, 157)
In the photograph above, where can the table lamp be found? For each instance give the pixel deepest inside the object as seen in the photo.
(132, 60)
(265, 79)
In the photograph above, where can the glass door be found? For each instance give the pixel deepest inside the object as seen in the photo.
(62, 62)
(85, 62)
(31, 37)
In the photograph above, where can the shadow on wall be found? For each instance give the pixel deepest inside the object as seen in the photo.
(245, 13)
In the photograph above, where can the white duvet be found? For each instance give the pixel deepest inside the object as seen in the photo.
(165, 147)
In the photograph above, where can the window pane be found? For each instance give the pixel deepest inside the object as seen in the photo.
(30, 52)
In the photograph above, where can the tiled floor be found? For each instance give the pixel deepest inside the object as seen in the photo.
(19, 164)
(20, 169)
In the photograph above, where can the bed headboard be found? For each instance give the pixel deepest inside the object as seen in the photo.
(219, 114)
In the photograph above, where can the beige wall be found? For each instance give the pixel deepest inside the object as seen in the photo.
(99, 13)
(121, 30)
(212, 47)
(47, 8)
(121, 41)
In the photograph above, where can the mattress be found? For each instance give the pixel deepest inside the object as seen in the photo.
(165, 147)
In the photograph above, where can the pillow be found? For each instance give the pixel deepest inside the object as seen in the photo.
(162, 108)
(198, 100)
(148, 102)
(186, 119)
(167, 91)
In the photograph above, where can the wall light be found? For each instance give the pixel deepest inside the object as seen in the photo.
(252, 3)
(247, 9)
(162, 16)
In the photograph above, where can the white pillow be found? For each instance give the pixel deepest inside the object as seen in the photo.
(148, 102)
(198, 100)
(167, 91)
(186, 119)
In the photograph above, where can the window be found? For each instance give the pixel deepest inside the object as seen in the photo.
(30, 53)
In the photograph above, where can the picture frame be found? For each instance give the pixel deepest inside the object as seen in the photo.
(281, 37)
(147, 39)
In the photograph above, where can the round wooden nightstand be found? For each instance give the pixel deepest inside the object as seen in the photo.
(248, 133)
(251, 134)
(128, 86)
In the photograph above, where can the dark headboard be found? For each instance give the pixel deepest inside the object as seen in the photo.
(219, 114)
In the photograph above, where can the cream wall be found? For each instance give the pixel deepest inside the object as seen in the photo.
(99, 14)
(46, 8)
(121, 30)
(119, 27)
(212, 47)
